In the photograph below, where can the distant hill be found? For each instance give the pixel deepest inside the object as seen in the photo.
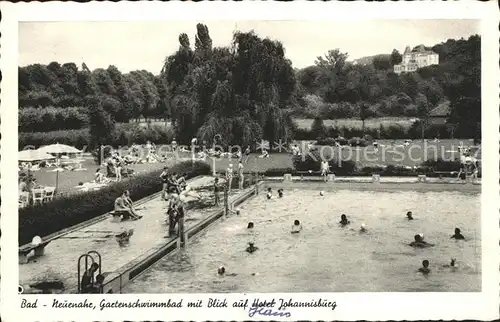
(367, 60)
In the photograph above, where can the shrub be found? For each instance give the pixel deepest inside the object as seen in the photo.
(76, 138)
(357, 141)
(52, 119)
(326, 141)
(67, 211)
(123, 135)
(441, 165)
(278, 172)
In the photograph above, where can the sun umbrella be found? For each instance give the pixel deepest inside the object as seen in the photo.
(58, 149)
(33, 155)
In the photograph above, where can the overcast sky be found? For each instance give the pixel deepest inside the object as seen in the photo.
(144, 45)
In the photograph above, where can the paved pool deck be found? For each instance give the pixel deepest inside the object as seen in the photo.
(61, 254)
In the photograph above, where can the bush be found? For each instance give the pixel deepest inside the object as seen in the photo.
(123, 135)
(76, 138)
(357, 141)
(52, 119)
(441, 165)
(67, 211)
(278, 172)
(326, 141)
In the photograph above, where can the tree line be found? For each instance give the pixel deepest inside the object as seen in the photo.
(249, 90)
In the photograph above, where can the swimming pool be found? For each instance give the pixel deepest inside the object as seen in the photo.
(325, 257)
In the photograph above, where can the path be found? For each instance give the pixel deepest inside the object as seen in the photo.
(61, 255)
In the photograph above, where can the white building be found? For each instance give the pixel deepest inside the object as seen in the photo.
(417, 58)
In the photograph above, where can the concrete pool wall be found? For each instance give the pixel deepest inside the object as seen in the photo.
(118, 279)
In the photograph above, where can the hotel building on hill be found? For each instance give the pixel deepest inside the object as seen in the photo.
(417, 58)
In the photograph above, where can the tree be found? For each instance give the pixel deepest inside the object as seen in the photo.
(101, 127)
(423, 115)
(396, 57)
(363, 114)
(318, 127)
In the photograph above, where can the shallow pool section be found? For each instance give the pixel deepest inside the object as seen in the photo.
(325, 257)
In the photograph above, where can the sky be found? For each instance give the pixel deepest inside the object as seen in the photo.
(144, 45)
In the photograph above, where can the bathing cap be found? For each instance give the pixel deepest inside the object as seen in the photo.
(37, 240)
(321, 192)
(363, 225)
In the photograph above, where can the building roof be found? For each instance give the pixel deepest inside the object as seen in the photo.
(442, 110)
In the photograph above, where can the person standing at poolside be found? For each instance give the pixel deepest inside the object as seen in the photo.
(247, 153)
(229, 177)
(324, 169)
(216, 192)
(164, 178)
(241, 176)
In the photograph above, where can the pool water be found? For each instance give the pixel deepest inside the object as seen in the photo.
(325, 257)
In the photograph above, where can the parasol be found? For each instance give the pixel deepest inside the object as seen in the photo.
(58, 149)
(33, 155)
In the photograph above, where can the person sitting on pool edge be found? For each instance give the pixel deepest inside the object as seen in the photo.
(280, 193)
(419, 242)
(409, 215)
(343, 220)
(458, 235)
(297, 227)
(425, 267)
(251, 248)
(122, 208)
(269, 193)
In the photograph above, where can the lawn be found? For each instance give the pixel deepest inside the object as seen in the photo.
(355, 123)
(394, 153)
(413, 155)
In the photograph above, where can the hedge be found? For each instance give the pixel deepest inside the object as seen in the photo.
(391, 132)
(52, 119)
(124, 135)
(66, 211)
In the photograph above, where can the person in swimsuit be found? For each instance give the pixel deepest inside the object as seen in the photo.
(458, 235)
(324, 169)
(122, 208)
(164, 176)
(419, 242)
(297, 227)
(172, 215)
(229, 177)
(247, 154)
(409, 215)
(269, 194)
(216, 192)
(251, 248)
(87, 282)
(343, 220)
(425, 267)
(241, 176)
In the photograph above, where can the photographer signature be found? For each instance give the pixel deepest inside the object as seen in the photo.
(262, 311)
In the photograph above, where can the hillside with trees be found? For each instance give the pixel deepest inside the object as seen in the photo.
(249, 90)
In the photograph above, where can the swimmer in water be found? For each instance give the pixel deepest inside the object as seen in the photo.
(269, 193)
(362, 229)
(222, 272)
(280, 193)
(343, 220)
(452, 264)
(250, 225)
(425, 267)
(458, 235)
(297, 227)
(409, 215)
(251, 248)
(419, 242)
